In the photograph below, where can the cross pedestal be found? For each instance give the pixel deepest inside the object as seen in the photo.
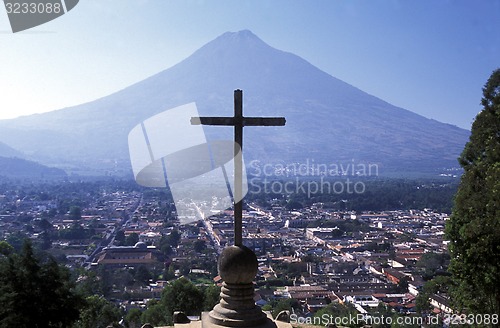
(238, 264)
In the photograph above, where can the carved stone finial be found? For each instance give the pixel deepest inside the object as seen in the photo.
(237, 267)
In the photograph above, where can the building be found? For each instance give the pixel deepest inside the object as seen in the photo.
(121, 256)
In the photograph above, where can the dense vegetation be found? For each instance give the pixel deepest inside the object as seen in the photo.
(181, 295)
(474, 228)
(371, 195)
(35, 291)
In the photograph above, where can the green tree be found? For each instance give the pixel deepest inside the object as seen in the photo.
(474, 227)
(211, 297)
(131, 239)
(89, 283)
(120, 237)
(52, 213)
(76, 231)
(16, 240)
(45, 225)
(5, 248)
(142, 274)
(45, 240)
(199, 245)
(336, 310)
(169, 273)
(402, 324)
(35, 291)
(182, 295)
(98, 313)
(133, 318)
(105, 279)
(439, 284)
(75, 213)
(422, 303)
(382, 311)
(156, 314)
(402, 286)
(285, 305)
(431, 263)
(174, 238)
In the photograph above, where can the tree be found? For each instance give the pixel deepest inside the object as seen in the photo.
(156, 314)
(142, 274)
(293, 204)
(98, 313)
(383, 311)
(35, 291)
(431, 263)
(75, 213)
(46, 241)
(120, 237)
(199, 245)
(474, 227)
(45, 225)
(182, 295)
(422, 302)
(133, 318)
(286, 304)
(5, 248)
(132, 239)
(169, 273)
(440, 284)
(174, 238)
(76, 231)
(16, 240)
(105, 279)
(212, 297)
(403, 285)
(336, 310)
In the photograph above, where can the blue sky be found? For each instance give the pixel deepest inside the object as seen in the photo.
(429, 56)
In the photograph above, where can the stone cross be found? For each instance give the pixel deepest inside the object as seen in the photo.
(238, 121)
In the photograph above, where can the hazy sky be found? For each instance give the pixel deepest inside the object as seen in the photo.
(428, 56)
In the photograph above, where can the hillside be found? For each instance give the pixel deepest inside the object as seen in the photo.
(6, 151)
(19, 168)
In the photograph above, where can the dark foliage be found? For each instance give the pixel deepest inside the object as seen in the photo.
(372, 195)
(36, 292)
(474, 228)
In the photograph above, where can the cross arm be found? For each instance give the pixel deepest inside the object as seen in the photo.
(264, 121)
(244, 121)
(212, 120)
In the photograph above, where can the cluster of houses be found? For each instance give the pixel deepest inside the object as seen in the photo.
(324, 264)
(364, 268)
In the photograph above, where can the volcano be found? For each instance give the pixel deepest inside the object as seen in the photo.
(328, 121)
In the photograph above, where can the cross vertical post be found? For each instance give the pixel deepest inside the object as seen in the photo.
(238, 264)
(238, 167)
(238, 121)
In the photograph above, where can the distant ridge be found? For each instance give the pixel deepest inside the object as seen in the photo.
(328, 120)
(6, 151)
(19, 168)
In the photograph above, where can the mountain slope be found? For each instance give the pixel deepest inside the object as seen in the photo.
(7, 151)
(20, 168)
(328, 120)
